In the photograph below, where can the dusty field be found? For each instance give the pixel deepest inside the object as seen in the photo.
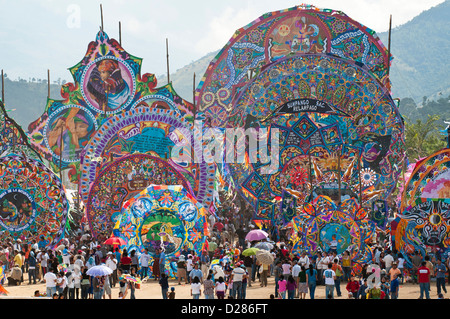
(152, 290)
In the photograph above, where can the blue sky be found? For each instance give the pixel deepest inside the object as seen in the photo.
(36, 35)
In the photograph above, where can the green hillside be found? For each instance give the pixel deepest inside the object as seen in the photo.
(420, 48)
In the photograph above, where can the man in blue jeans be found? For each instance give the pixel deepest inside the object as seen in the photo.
(440, 271)
(424, 274)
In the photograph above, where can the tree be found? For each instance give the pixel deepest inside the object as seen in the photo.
(423, 139)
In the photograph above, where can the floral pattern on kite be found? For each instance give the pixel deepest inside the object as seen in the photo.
(122, 179)
(429, 179)
(33, 204)
(330, 124)
(423, 227)
(159, 133)
(276, 35)
(322, 221)
(163, 216)
(107, 81)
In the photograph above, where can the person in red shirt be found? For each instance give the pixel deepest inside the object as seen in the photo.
(125, 262)
(424, 275)
(353, 287)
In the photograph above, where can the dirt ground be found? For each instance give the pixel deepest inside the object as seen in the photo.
(151, 290)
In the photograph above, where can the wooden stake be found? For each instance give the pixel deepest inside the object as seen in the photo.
(48, 83)
(167, 57)
(101, 16)
(389, 45)
(3, 88)
(120, 34)
(359, 177)
(310, 174)
(193, 91)
(60, 154)
(339, 175)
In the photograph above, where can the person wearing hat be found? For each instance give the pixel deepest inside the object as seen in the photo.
(196, 272)
(236, 277)
(181, 269)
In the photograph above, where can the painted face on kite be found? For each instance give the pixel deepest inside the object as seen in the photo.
(109, 85)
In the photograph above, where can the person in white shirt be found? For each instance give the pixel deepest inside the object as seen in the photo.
(111, 263)
(44, 261)
(76, 274)
(322, 264)
(61, 284)
(50, 279)
(189, 267)
(237, 275)
(304, 260)
(388, 260)
(145, 259)
(295, 271)
(71, 285)
(329, 276)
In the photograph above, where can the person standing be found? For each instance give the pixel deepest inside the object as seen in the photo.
(346, 265)
(295, 273)
(339, 272)
(416, 260)
(424, 275)
(111, 263)
(196, 288)
(31, 267)
(311, 274)
(208, 286)
(237, 275)
(291, 287)
(205, 262)
(164, 283)
(278, 272)
(302, 283)
(353, 287)
(145, 260)
(440, 271)
(50, 280)
(329, 277)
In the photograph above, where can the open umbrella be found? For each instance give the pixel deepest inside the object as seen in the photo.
(264, 245)
(115, 241)
(256, 234)
(130, 278)
(99, 270)
(264, 257)
(250, 251)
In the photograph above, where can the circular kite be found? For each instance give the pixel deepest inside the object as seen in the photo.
(121, 180)
(33, 204)
(333, 118)
(162, 216)
(276, 35)
(322, 221)
(423, 222)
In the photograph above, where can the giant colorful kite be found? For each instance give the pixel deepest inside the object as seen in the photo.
(163, 216)
(423, 222)
(33, 204)
(319, 80)
(322, 221)
(109, 113)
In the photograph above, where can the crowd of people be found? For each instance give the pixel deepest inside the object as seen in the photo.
(220, 271)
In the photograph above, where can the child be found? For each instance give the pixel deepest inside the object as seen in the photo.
(172, 293)
(196, 288)
(163, 282)
(362, 290)
(282, 286)
(220, 288)
(353, 287)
